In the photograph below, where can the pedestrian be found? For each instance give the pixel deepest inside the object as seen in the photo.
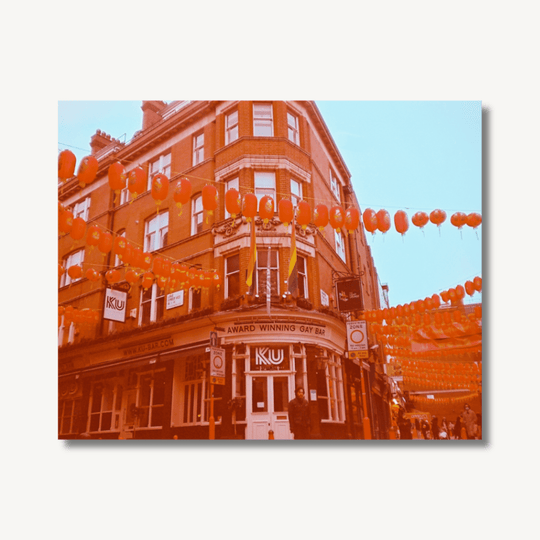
(457, 428)
(405, 427)
(471, 422)
(425, 429)
(444, 429)
(435, 427)
(451, 429)
(299, 416)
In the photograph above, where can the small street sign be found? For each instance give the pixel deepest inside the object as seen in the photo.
(217, 365)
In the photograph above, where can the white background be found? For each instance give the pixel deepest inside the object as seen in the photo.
(417, 50)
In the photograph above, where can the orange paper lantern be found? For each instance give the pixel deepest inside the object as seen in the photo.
(113, 276)
(420, 219)
(474, 220)
(117, 177)
(87, 170)
(383, 221)
(477, 282)
(92, 274)
(209, 198)
(303, 214)
(401, 222)
(66, 164)
(458, 219)
(369, 218)
(78, 229)
(160, 188)
(65, 221)
(321, 216)
(352, 218)
(266, 208)
(136, 181)
(233, 202)
(75, 272)
(437, 217)
(93, 235)
(249, 207)
(285, 211)
(105, 242)
(182, 193)
(336, 217)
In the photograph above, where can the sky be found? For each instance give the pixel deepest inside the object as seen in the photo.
(402, 155)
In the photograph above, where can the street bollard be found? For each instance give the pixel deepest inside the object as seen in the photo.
(270, 435)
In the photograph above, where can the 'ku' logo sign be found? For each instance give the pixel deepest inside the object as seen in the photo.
(114, 308)
(265, 356)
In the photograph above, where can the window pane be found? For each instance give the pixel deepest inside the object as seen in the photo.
(233, 264)
(259, 395)
(281, 387)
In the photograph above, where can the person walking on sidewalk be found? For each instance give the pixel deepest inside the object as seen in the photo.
(471, 422)
(299, 416)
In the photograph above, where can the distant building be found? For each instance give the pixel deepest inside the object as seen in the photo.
(148, 376)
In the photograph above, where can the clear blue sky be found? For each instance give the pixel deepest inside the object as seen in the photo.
(408, 155)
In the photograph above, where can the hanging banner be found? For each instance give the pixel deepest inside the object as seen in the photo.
(349, 297)
(114, 308)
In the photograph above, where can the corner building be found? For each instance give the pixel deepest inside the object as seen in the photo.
(148, 377)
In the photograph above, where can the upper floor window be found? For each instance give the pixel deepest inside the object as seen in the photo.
(230, 185)
(296, 192)
(334, 186)
(152, 305)
(82, 209)
(156, 232)
(265, 184)
(194, 299)
(292, 128)
(267, 272)
(302, 277)
(232, 276)
(160, 165)
(262, 120)
(231, 127)
(198, 148)
(196, 215)
(117, 260)
(77, 257)
(340, 245)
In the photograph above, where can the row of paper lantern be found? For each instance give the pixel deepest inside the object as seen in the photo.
(380, 221)
(441, 402)
(69, 314)
(400, 355)
(461, 383)
(338, 218)
(165, 274)
(235, 203)
(452, 295)
(438, 366)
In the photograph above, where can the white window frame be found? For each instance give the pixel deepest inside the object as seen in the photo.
(334, 186)
(198, 148)
(70, 418)
(296, 192)
(263, 121)
(197, 214)
(262, 270)
(293, 131)
(303, 277)
(77, 257)
(152, 406)
(231, 273)
(156, 230)
(333, 374)
(231, 127)
(230, 184)
(117, 260)
(82, 209)
(195, 389)
(265, 184)
(156, 296)
(340, 246)
(162, 165)
(117, 392)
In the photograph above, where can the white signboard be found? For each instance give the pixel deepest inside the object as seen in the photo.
(115, 305)
(357, 338)
(325, 301)
(175, 299)
(217, 365)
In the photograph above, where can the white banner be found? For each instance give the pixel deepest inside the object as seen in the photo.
(115, 305)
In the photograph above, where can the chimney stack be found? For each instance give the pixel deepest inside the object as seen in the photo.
(151, 112)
